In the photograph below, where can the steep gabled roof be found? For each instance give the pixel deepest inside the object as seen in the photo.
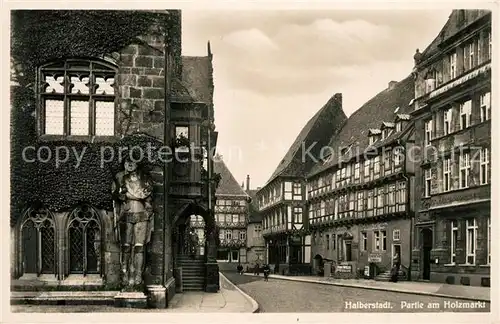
(451, 27)
(228, 186)
(328, 120)
(367, 119)
(196, 74)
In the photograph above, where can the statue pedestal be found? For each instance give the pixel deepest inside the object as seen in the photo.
(133, 299)
(157, 296)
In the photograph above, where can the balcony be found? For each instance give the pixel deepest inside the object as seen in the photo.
(272, 201)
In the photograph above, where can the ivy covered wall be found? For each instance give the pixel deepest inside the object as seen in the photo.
(41, 36)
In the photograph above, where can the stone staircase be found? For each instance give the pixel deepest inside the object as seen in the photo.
(193, 272)
(386, 276)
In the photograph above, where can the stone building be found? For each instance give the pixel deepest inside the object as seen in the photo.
(256, 245)
(453, 171)
(281, 201)
(358, 194)
(105, 80)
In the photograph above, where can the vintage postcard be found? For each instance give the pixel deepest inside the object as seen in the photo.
(172, 161)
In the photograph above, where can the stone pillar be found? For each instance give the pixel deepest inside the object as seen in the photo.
(212, 268)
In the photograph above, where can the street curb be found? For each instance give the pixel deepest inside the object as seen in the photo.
(413, 292)
(255, 305)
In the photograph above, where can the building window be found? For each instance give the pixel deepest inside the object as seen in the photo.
(288, 190)
(488, 37)
(453, 65)
(369, 199)
(297, 215)
(428, 132)
(84, 241)
(229, 235)
(465, 114)
(398, 156)
(364, 241)
(367, 170)
(243, 235)
(485, 103)
(447, 121)
(447, 175)
(489, 240)
(297, 191)
(484, 163)
(384, 240)
(327, 242)
(396, 235)
(38, 243)
(454, 241)
(334, 242)
(376, 167)
(399, 126)
(376, 240)
(235, 256)
(78, 98)
(464, 170)
(469, 56)
(471, 240)
(356, 171)
(348, 251)
(428, 180)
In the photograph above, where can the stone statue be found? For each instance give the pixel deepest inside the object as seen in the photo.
(133, 220)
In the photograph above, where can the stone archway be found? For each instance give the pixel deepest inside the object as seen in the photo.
(181, 228)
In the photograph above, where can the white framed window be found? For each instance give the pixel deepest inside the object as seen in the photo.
(447, 121)
(428, 180)
(428, 132)
(372, 139)
(489, 240)
(447, 174)
(488, 37)
(398, 156)
(469, 56)
(376, 166)
(464, 170)
(471, 240)
(288, 190)
(297, 214)
(485, 103)
(77, 97)
(364, 241)
(399, 126)
(356, 171)
(479, 57)
(243, 235)
(454, 241)
(396, 235)
(484, 165)
(465, 114)
(383, 234)
(376, 240)
(229, 235)
(453, 65)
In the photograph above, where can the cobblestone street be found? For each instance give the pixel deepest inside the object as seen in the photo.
(288, 296)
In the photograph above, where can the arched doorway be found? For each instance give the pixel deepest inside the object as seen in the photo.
(319, 265)
(426, 235)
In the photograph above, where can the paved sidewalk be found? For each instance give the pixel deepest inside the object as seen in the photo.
(229, 299)
(410, 287)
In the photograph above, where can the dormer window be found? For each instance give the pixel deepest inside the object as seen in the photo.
(373, 135)
(346, 150)
(387, 129)
(77, 97)
(399, 126)
(327, 159)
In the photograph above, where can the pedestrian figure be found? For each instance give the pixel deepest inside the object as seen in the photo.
(240, 269)
(266, 270)
(395, 268)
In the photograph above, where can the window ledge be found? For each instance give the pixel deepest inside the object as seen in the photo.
(467, 265)
(78, 138)
(450, 265)
(485, 265)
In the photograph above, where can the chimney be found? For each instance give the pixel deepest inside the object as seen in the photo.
(392, 84)
(248, 182)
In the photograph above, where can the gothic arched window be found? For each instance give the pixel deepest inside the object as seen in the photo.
(77, 97)
(84, 241)
(38, 242)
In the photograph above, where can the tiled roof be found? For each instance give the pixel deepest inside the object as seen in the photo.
(318, 129)
(228, 184)
(450, 28)
(367, 118)
(387, 125)
(196, 74)
(374, 131)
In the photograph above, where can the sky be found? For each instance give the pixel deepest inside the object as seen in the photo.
(273, 70)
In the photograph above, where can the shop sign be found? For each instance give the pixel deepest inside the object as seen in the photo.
(345, 268)
(375, 258)
(367, 271)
